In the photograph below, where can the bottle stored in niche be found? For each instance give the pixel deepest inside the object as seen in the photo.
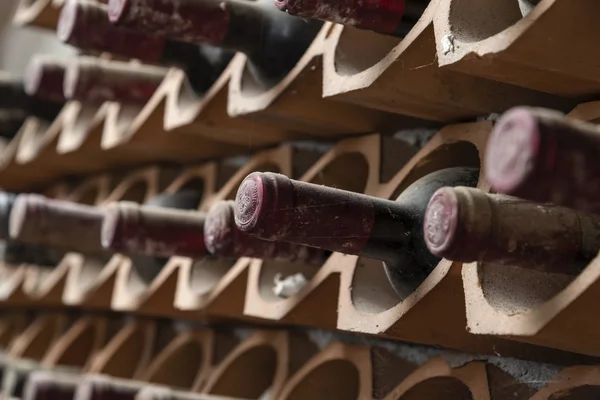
(84, 24)
(149, 266)
(539, 155)
(274, 207)
(93, 81)
(152, 231)
(38, 220)
(390, 17)
(98, 387)
(467, 225)
(50, 385)
(14, 98)
(272, 41)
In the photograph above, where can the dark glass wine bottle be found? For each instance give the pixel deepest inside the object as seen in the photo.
(95, 81)
(274, 207)
(11, 122)
(14, 252)
(468, 225)
(148, 267)
(390, 17)
(85, 24)
(13, 97)
(92, 81)
(42, 221)
(48, 385)
(152, 231)
(273, 41)
(98, 387)
(538, 155)
(224, 239)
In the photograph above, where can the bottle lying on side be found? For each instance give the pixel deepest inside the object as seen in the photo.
(15, 98)
(61, 224)
(133, 229)
(468, 225)
(272, 41)
(273, 207)
(92, 81)
(540, 155)
(84, 24)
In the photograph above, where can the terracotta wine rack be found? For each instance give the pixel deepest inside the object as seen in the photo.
(494, 40)
(403, 76)
(295, 103)
(358, 112)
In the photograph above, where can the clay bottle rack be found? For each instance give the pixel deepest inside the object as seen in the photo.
(273, 356)
(355, 165)
(553, 312)
(403, 76)
(216, 287)
(91, 282)
(494, 40)
(295, 103)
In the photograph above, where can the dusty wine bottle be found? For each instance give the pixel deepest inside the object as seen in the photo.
(391, 17)
(224, 239)
(99, 387)
(131, 228)
(273, 41)
(85, 24)
(538, 155)
(274, 207)
(44, 78)
(14, 98)
(49, 385)
(95, 81)
(13, 252)
(38, 220)
(11, 122)
(468, 225)
(148, 267)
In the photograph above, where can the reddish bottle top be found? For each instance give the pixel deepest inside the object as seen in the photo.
(223, 238)
(541, 156)
(467, 225)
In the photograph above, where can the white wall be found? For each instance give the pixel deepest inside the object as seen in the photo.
(17, 45)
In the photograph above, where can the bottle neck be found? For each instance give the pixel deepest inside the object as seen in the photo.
(203, 64)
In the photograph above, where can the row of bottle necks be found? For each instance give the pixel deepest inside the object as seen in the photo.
(542, 166)
(199, 37)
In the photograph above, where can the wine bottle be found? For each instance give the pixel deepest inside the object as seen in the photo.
(42, 385)
(98, 387)
(152, 231)
(274, 207)
(132, 229)
(272, 41)
(95, 81)
(38, 220)
(44, 78)
(13, 252)
(468, 225)
(148, 267)
(85, 24)
(538, 155)
(390, 17)
(11, 122)
(14, 98)
(224, 239)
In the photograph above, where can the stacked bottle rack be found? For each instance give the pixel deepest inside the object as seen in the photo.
(360, 111)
